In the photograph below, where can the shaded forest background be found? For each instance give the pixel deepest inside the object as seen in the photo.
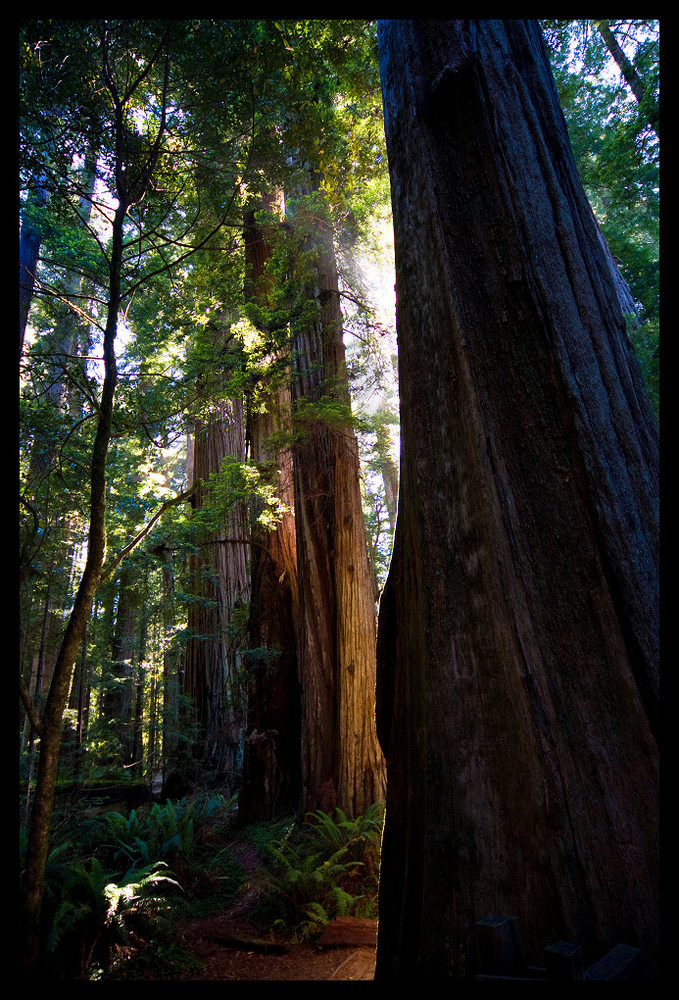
(202, 184)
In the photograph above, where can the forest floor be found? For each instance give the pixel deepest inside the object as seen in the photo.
(227, 946)
(229, 949)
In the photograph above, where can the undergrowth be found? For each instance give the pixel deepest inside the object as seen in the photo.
(116, 885)
(321, 869)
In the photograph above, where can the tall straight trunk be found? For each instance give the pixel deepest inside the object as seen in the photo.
(79, 702)
(116, 703)
(220, 587)
(342, 763)
(171, 666)
(518, 629)
(272, 759)
(29, 255)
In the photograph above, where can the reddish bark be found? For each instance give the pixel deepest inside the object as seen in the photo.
(517, 651)
(342, 763)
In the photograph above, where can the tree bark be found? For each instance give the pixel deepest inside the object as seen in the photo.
(272, 757)
(341, 760)
(220, 586)
(518, 631)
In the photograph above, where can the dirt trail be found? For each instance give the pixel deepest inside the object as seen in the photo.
(229, 947)
(232, 950)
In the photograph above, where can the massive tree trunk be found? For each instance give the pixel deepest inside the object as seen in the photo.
(220, 588)
(341, 760)
(272, 757)
(518, 631)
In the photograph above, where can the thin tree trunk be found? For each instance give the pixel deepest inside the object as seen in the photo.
(171, 668)
(33, 884)
(50, 731)
(518, 630)
(116, 701)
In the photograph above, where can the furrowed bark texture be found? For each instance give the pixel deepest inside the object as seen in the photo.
(518, 630)
(342, 763)
(221, 585)
(271, 756)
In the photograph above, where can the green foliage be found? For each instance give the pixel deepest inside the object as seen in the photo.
(646, 342)
(93, 915)
(327, 868)
(113, 882)
(236, 483)
(170, 831)
(617, 153)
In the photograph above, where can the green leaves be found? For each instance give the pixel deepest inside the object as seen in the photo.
(327, 868)
(617, 154)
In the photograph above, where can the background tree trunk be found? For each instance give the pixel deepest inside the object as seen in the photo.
(341, 760)
(29, 255)
(629, 73)
(116, 700)
(220, 588)
(271, 757)
(50, 732)
(518, 631)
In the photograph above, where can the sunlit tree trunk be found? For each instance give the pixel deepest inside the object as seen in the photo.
(272, 759)
(341, 761)
(219, 569)
(518, 630)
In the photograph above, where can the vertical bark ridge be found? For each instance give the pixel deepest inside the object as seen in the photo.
(517, 628)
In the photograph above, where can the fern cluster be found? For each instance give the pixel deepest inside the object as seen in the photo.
(326, 869)
(113, 889)
(95, 918)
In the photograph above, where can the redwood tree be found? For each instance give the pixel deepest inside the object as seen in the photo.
(518, 631)
(221, 585)
(342, 763)
(271, 755)
(131, 175)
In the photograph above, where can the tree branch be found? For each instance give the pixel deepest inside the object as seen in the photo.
(29, 705)
(113, 563)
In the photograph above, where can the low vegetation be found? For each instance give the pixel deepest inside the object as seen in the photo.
(117, 885)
